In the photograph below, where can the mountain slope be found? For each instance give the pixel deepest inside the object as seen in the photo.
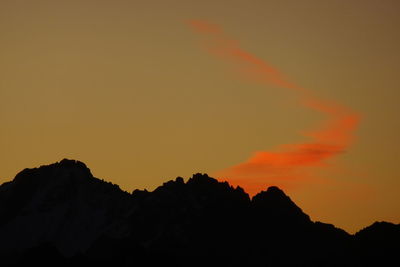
(61, 215)
(62, 204)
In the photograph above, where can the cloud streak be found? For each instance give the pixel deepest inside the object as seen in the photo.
(287, 165)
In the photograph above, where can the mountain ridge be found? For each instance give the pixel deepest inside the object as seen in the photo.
(63, 211)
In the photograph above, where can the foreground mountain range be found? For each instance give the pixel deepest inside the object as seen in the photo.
(60, 215)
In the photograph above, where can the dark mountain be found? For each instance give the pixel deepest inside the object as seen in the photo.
(60, 215)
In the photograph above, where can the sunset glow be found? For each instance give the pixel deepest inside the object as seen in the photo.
(288, 164)
(302, 95)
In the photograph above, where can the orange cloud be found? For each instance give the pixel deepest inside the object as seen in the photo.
(290, 164)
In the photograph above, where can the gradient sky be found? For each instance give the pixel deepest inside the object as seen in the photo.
(128, 88)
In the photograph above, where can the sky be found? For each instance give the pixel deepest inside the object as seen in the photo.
(145, 91)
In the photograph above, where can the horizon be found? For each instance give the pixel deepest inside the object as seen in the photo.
(61, 215)
(186, 179)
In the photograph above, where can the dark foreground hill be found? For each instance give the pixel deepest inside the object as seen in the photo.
(60, 215)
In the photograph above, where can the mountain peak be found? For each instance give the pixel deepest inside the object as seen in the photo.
(72, 163)
(276, 204)
(201, 178)
(59, 200)
(62, 169)
(272, 192)
(275, 190)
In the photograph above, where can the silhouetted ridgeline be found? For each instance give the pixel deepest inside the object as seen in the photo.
(60, 215)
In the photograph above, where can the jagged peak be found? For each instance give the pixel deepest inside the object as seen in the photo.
(61, 166)
(202, 185)
(72, 163)
(271, 192)
(274, 201)
(179, 180)
(275, 190)
(380, 226)
(201, 178)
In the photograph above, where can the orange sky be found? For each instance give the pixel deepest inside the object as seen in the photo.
(285, 167)
(130, 89)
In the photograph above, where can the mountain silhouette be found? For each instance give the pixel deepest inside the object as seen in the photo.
(60, 215)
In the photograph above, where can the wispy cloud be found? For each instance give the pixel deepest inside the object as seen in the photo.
(288, 164)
